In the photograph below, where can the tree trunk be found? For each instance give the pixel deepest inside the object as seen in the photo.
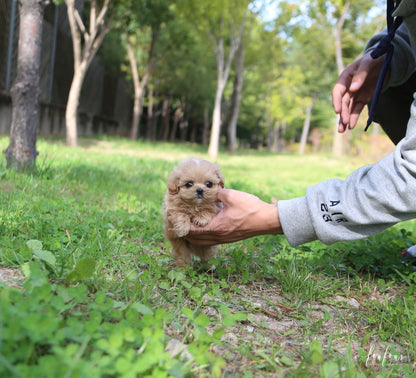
(223, 71)
(135, 124)
(84, 53)
(71, 114)
(339, 143)
(165, 119)
(137, 112)
(139, 85)
(216, 123)
(281, 136)
(205, 131)
(306, 127)
(194, 128)
(176, 119)
(21, 152)
(151, 126)
(236, 99)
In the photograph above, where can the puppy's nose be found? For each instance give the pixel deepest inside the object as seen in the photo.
(200, 192)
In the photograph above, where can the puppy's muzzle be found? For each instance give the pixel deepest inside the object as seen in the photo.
(199, 193)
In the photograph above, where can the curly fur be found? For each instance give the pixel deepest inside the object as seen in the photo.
(191, 197)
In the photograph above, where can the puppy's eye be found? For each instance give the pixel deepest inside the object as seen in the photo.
(189, 184)
(208, 184)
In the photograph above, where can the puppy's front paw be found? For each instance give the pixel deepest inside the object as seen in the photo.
(201, 220)
(181, 229)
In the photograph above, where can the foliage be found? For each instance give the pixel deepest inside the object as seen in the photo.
(47, 327)
(101, 296)
(289, 55)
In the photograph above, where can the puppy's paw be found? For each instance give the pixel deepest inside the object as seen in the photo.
(201, 220)
(181, 229)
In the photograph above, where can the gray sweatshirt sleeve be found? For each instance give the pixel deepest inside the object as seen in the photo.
(403, 63)
(375, 196)
(368, 201)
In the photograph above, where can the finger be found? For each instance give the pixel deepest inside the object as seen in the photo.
(337, 94)
(345, 108)
(355, 114)
(341, 126)
(342, 86)
(224, 196)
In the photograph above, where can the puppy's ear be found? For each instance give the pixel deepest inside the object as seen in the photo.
(173, 181)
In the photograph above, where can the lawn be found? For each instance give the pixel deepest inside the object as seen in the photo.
(88, 287)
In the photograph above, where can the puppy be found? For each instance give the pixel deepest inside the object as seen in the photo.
(191, 198)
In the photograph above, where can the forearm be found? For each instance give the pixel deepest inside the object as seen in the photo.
(368, 201)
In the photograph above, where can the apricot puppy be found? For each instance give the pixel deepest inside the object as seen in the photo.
(191, 198)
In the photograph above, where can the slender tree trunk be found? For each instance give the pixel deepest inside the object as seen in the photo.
(205, 131)
(176, 119)
(151, 132)
(216, 123)
(139, 85)
(21, 152)
(236, 99)
(71, 114)
(193, 132)
(306, 127)
(223, 71)
(281, 136)
(275, 136)
(277, 139)
(339, 143)
(183, 129)
(165, 119)
(84, 53)
(138, 90)
(269, 137)
(137, 112)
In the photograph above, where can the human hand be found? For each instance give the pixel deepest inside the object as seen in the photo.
(243, 216)
(355, 88)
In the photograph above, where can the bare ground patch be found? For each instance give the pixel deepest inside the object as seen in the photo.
(277, 334)
(12, 277)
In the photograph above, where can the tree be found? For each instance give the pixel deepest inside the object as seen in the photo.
(343, 20)
(223, 21)
(286, 102)
(306, 126)
(236, 99)
(343, 7)
(315, 57)
(144, 22)
(266, 46)
(21, 152)
(252, 51)
(139, 81)
(86, 41)
(179, 81)
(223, 69)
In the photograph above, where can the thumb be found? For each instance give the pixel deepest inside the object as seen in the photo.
(224, 196)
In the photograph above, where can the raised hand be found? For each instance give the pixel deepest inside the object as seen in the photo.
(354, 89)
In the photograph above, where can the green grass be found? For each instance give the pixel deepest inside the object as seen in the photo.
(101, 295)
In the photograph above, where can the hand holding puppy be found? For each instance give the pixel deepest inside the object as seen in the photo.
(243, 215)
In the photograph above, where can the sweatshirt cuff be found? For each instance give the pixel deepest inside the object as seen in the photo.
(296, 221)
